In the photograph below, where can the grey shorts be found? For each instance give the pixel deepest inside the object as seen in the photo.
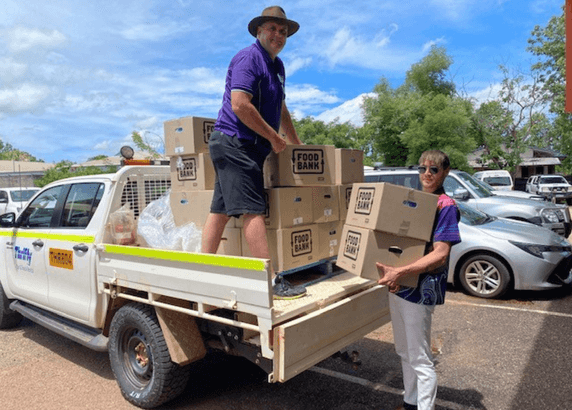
(239, 185)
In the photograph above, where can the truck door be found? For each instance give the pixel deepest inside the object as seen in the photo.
(71, 253)
(26, 248)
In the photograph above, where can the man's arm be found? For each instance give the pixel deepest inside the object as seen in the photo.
(249, 115)
(288, 126)
(433, 260)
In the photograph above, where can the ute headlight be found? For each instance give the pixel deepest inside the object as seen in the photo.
(552, 216)
(544, 189)
(538, 250)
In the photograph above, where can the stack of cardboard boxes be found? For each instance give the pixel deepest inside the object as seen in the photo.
(193, 176)
(385, 223)
(307, 188)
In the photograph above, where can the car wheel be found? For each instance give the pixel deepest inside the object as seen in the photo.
(484, 276)
(140, 358)
(8, 318)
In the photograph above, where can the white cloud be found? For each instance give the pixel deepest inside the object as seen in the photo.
(156, 32)
(350, 111)
(22, 39)
(12, 70)
(27, 98)
(297, 64)
(309, 94)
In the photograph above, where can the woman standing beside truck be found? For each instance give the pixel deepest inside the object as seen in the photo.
(412, 308)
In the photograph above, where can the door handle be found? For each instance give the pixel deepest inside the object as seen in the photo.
(81, 248)
(38, 243)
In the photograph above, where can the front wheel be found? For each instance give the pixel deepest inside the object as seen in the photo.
(8, 318)
(484, 276)
(140, 358)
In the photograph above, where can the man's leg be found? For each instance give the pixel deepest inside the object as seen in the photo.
(212, 232)
(255, 235)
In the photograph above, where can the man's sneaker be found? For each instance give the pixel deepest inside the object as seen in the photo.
(284, 290)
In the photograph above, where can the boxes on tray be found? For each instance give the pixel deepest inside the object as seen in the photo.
(325, 204)
(349, 166)
(330, 234)
(290, 247)
(361, 248)
(393, 209)
(187, 135)
(301, 165)
(193, 171)
(344, 196)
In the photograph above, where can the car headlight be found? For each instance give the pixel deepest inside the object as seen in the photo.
(544, 189)
(552, 216)
(538, 250)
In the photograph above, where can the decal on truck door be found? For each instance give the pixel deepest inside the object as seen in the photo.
(23, 254)
(61, 258)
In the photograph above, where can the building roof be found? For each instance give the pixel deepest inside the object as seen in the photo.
(8, 166)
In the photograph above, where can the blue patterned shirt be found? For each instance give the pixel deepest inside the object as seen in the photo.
(433, 285)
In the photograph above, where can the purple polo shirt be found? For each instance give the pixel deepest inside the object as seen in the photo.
(253, 71)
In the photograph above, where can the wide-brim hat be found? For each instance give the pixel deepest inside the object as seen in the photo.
(272, 13)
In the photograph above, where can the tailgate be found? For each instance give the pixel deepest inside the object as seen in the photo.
(303, 342)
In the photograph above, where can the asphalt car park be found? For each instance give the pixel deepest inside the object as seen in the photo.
(510, 353)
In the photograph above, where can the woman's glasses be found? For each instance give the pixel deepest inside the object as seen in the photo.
(423, 169)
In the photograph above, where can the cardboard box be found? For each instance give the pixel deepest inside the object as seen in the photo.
(290, 247)
(325, 204)
(394, 209)
(193, 206)
(187, 135)
(301, 165)
(349, 166)
(190, 172)
(361, 248)
(286, 207)
(330, 234)
(344, 196)
(230, 242)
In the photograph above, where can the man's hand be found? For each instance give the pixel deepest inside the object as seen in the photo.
(387, 276)
(278, 144)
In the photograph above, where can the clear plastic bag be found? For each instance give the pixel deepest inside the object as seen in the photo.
(123, 226)
(156, 226)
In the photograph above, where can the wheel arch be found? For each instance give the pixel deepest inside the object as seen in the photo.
(474, 252)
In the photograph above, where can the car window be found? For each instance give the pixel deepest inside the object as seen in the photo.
(554, 179)
(41, 210)
(81, 203)
(477, 189)
(4, 196)
(497, 181)
(22, 195)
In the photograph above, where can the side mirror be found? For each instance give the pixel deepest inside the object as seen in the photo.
(461, 194)
(7, 220)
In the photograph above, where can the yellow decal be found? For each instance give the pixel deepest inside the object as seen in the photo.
(61, 258)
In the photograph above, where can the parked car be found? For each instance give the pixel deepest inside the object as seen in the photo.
(14, 199)
(513, 193)
(464, 188)
(551, 187)
(498, 254)
(499, 179)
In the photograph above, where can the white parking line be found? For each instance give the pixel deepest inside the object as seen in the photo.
(542, 312)
(380, 387)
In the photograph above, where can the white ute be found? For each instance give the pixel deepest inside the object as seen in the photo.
(155, 311)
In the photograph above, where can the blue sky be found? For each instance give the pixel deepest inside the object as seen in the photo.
(77, 77)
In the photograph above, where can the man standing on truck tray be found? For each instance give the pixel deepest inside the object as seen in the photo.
(412, 308)
(246, 131)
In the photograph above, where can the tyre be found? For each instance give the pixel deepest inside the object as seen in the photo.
(8, 318)
(484, 276)
(140, 358)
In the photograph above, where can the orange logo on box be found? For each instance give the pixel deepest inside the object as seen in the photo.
(61, 258)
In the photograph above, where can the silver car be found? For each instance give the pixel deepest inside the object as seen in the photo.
(498, 254)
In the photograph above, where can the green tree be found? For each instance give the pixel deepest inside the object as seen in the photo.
(548, 43)
(63, 170)
(317, 132)
(505, 127)
(145, 144)
(423, 113)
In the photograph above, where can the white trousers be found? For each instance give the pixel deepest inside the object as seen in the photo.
(412, 335)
